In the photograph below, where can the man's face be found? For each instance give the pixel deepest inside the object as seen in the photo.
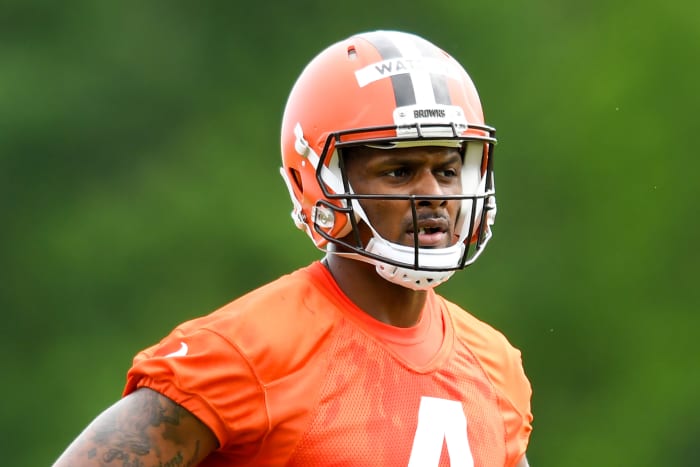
(426, 171)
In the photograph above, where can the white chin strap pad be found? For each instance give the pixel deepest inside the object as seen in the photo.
(412, 278)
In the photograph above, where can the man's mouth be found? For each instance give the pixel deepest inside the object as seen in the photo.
(432, 233)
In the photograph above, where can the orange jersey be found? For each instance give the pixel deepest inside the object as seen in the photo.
(294, 374)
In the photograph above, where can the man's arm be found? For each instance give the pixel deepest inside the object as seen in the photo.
(146, 429)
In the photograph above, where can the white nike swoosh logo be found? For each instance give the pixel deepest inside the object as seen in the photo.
(181, 352)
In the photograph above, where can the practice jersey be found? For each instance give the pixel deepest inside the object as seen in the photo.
(293, 373)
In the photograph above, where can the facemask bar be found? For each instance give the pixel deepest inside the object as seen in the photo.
(485, 200)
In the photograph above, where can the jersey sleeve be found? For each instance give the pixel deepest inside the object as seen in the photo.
(207, 375)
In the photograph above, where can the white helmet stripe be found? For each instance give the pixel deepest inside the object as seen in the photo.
(420, 78)
(417, 74)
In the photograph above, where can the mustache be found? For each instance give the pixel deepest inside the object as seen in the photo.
(424, 216)
(437, 219)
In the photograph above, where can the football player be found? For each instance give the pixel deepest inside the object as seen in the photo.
(354, 359)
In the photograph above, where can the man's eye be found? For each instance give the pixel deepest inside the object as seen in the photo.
(398, 172)
(449, 173)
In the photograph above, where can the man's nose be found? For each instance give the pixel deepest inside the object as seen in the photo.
(427, 184)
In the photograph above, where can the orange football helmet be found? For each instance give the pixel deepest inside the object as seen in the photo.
(385, 89)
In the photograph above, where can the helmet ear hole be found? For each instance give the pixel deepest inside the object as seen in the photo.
(295, 176)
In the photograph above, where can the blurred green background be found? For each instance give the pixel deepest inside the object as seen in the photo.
(139, 149)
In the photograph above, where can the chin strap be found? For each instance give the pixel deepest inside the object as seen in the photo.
(427, 258)
(412, 279)
(406, 276)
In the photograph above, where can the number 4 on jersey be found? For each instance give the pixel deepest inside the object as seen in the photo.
(440, 420)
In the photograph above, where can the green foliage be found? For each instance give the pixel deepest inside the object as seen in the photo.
(139, 187)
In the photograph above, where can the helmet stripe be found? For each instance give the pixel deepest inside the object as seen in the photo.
(440, 89)
(403, 87)
(439, 81)
(416, 86)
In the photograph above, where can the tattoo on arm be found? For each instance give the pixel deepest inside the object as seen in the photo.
(125, 437)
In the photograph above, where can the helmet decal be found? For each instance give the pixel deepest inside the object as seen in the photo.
(417, 71)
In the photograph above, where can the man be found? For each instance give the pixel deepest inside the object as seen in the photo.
(354, 360)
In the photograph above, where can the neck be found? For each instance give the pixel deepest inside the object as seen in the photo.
(386, 302)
